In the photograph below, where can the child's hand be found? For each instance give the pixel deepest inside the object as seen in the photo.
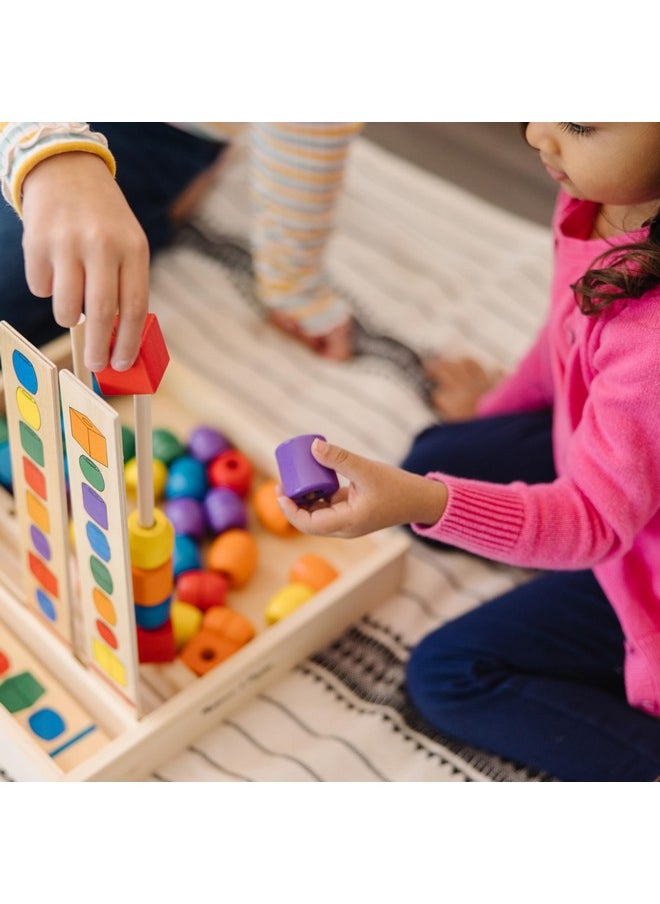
(84, 246)
(458, 386)
(378, 496)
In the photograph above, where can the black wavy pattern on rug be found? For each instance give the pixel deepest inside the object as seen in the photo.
(234, 255)
(376, 676)
(369, 669)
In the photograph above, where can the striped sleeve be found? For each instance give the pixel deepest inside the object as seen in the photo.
(298, 171)
(25, 144)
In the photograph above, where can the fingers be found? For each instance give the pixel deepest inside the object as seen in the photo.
(346, 463)
(133, 306)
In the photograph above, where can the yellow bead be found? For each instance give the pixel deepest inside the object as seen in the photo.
(186, 622)
(159, 470)
(287, 600)
(150, 547)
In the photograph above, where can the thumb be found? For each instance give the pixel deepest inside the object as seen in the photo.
(337, 459)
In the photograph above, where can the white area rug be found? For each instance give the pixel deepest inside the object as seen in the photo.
(439, 270)
(428, 265)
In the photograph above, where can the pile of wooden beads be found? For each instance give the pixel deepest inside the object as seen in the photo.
(205, 486)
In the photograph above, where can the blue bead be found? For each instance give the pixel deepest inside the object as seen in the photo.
(187, 556)
(186, 477)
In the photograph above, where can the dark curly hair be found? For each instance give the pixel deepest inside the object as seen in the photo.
(623, 271)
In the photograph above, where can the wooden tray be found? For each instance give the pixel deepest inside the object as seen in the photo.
(178, 706)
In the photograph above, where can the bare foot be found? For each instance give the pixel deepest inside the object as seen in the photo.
(336, 345)
(459, 386)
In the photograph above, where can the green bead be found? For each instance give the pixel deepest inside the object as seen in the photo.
(166, 446)
(128, 442)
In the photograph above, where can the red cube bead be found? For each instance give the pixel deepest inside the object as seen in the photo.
(144, 377)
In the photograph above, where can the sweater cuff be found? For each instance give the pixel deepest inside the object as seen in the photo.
(25, 144)
(485, 519)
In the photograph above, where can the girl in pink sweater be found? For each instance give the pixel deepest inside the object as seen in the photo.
(558, 469)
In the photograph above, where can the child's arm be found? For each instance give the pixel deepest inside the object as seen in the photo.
(82, 243)
(378, 496)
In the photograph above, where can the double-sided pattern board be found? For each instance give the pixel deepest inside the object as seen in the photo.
(98, 507)
(39, 490)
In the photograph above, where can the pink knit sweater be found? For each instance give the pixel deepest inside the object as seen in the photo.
(601, 375)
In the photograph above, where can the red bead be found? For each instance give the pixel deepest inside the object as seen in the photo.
(231, 469)
(202, 588)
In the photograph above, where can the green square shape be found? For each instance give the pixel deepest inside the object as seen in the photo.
(20, 692)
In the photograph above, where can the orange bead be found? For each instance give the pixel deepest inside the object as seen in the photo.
(229, 623)
(152, 585)
(313, 570)
(209, 647)
(269, 513)
(234, 554)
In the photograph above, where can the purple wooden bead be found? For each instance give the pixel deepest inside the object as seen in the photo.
(303, 479)
(224, 509)
(186, 516)
(204, 443)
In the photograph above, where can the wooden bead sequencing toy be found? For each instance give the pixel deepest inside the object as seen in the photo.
(151, 535)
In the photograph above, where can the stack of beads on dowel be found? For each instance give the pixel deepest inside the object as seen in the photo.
(150, 533)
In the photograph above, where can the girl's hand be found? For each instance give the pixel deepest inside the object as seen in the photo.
(378, 496)
(84, 246)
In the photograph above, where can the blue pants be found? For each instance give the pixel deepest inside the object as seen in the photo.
(535, 675)
(155, 163)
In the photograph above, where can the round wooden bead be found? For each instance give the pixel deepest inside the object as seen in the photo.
(186, 556)
(150, 547)
(205, 443)
(235, 555)
(224, 509)
(186, 622)
(151, 617)
(230, 624)
(233, 470)
(152, 585)
(268, 511)
(166, 445)
(202, 588)
(127, 442)
(313, 570)
(187, 516)
(286, 601)
(159, 471)
(186, 477)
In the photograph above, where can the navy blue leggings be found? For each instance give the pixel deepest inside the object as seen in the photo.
(535, 675)
(155, 163)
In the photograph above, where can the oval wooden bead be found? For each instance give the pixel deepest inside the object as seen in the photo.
(186, 555)
(150, 547)
(231, 469)
(186, 477)
(186, 622)
(314, 570)
(205, 443)
(235, 555)
(287, 600)
(268, 511)
(152, 585)
(230, 624)
(202, 588)
(159, 471)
